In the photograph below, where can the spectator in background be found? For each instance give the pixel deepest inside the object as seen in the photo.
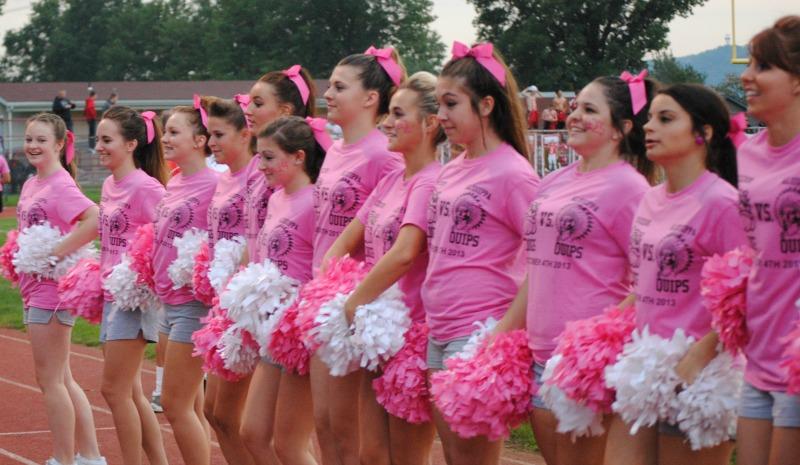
(63, 108)
(5, 177)
(90, 113)
(562, 110)
(550, 117)
(110, 102)
(531, 93)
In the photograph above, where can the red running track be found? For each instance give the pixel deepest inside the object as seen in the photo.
(24, 436)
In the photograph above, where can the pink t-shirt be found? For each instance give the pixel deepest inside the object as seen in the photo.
(287, 236)
(394, 203)
(672, 236)
(226, 214)
(57, 200)
(125, 205)
(184, 206)
(347, 177)
(4, 169)
(576, 237)
(769, 202)
(257, 194)
(476, 222)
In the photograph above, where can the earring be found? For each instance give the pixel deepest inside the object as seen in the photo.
(699, 140)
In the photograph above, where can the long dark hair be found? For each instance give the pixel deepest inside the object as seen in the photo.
(293, 133)
(374, 77)
(148, 156)
(706, 108)
(631, 147)
(507, 118)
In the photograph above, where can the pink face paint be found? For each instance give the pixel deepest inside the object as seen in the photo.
(596, 127)
(403, 127)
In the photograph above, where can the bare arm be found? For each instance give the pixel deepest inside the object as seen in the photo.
(700, 354)
(6, 178)
(83, 233)
(411, 241)
(347, 242)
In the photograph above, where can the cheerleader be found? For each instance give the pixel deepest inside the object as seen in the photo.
(678, 225)
(229, 141)
(361, 86)
(392, 227)
(274, 95)
(769, 195)
(184, 207)
(578, 229)
(128, 145)
(52, 196)
(476, 217)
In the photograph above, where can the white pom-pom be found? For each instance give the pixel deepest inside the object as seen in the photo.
(337, 349)
(706, 410)
(484, 328)
(573, 418)
(181, 269)
(35, 254)
(644, 377)
(121, 284)
(256, 297)
(227, 257)
(380, 328)
(237, 354)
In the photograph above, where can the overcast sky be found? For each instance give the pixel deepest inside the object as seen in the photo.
(705, 29)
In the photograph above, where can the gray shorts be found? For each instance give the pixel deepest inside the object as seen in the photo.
(782, 408)
(536, 400)
(128, 324)
(40, 316)
(439, 351)
(179, 322)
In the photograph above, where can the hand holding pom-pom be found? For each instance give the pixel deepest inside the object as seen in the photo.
(123, 284)
(227, 258)
(34, 255)
(379, 328)
(7, 251)
(286, 345)
(187, 246)
(206, 343)
(723, 287)
(201, 287)
(141, 253)
(239, 350)
(489, 393)
(81, 290)
(337, 348)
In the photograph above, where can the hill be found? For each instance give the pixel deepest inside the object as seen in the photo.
(715, 63)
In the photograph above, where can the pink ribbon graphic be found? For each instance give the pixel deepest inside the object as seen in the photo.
(637, 89)
(70, 146)
(148, 116)
(384, 57)
(482, 53)
(737, 127)
(199, 107)
(320, 132)
(244, 100)
(294, 75)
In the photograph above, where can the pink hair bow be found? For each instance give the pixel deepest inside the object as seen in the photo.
(384, 57)
(244, 100)
(637, 89)
(737, 127)
(318, 127)
(294, 75)
(148, 116)
(69, 149)
(482, 53)
(198, 105)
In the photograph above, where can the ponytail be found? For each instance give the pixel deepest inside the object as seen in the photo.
(374, 76)
(287, 90)
(148, 155)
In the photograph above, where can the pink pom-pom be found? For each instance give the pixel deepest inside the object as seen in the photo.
(141, 253)
(201, 286)
(81, 290)
(489, 393)
(286, 346)
(587, 347)
(206, 340)
(7, 269)
(791, 363)
(341, 277)
(723, 287)
(402, 388)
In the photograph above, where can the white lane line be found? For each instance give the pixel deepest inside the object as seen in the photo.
(44, 431)
(76, 354)
(16, 457)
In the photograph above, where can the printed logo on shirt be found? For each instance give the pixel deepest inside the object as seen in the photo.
(231, 214)
(36, 214)
(117, 224)
(635, 247)
(259, 204)
(280, 243)
(344, 199)
(675, 257)
(391, 229)
(468, 215)
(432, 215)
(787, 211)
(574, 223)
(531, 226)
(182, 216)
(746, 211)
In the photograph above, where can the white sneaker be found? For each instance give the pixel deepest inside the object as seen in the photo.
(81, 460)
(52, 461)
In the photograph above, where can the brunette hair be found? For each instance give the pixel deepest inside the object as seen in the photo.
(193, 118)
(225, 109)
(706, 108)
(148, 156)
(507, 118)
(631, 147)
(424, 85)
(60, 133)
(293, 133)
(287, 92)
(374, 77)
(779, 45)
